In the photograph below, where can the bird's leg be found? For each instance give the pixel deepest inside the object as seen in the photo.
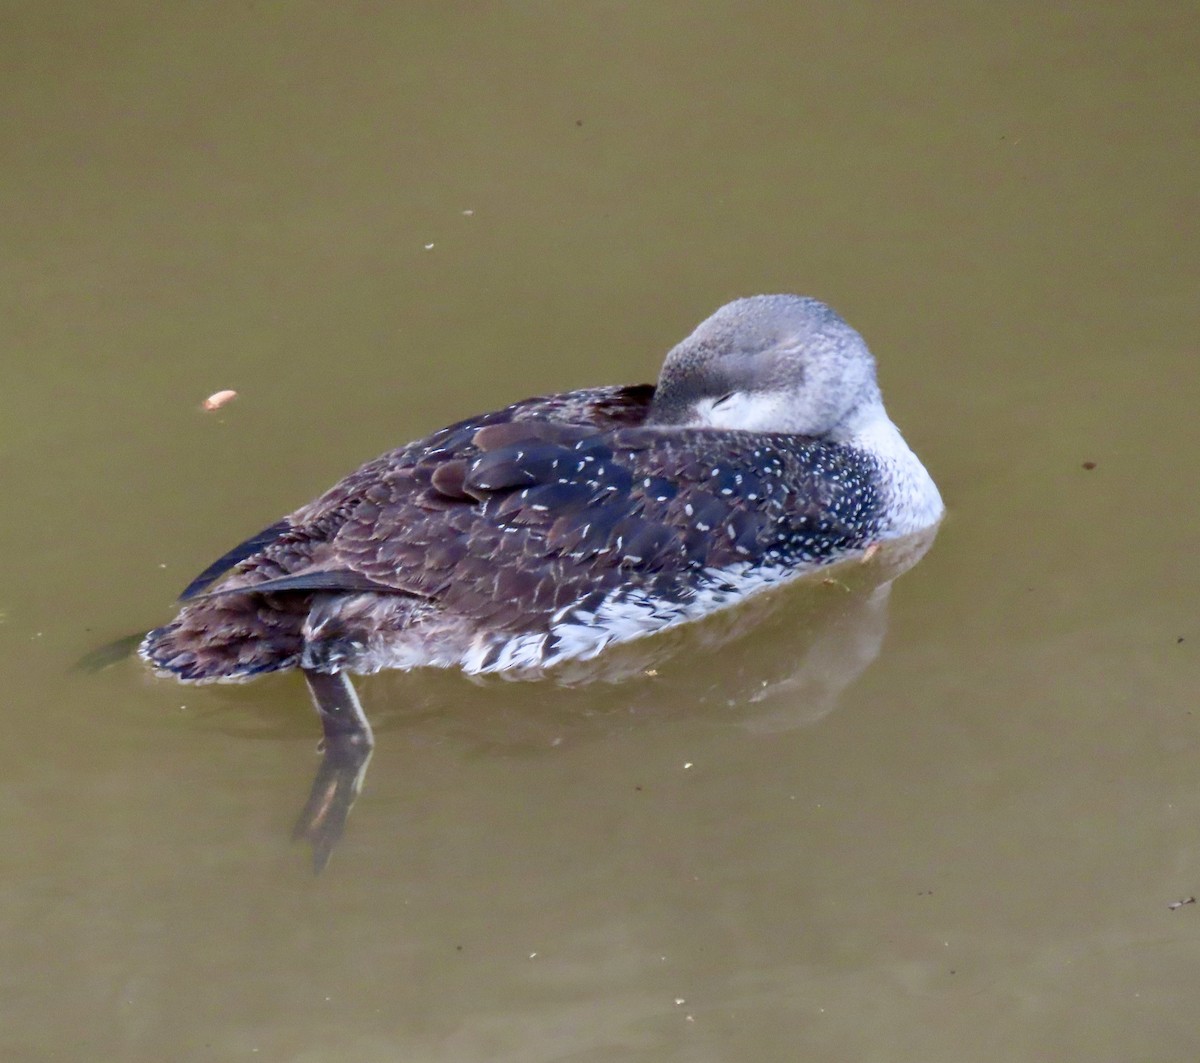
(347, 751)
(341, 712)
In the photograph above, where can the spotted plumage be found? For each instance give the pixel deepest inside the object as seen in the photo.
(551, 528)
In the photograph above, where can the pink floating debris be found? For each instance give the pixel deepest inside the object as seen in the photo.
(218, 399)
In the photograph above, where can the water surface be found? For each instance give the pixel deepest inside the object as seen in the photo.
(964, 850)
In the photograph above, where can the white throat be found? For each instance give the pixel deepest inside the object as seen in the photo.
(913, 499)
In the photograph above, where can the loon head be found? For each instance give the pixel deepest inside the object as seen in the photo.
(770, 363)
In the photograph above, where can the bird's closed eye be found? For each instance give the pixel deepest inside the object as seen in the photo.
(723, 400)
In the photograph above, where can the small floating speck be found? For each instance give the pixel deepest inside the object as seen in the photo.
(218, 399)
(468, 213)
(687, 765)
(1174, 905)
(680, 1000)
(429, 247)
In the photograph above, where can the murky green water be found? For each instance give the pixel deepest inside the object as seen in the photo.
(954, 841)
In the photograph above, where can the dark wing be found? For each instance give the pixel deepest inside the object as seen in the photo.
(523, 523)
(286, 545)
(289, 548)
(310, 580)
(239, 553)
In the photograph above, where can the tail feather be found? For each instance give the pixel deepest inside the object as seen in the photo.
(229, 639)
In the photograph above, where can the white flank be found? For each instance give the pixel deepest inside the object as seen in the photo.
(579, 635)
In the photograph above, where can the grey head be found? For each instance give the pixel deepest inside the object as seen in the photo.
(771, 363)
